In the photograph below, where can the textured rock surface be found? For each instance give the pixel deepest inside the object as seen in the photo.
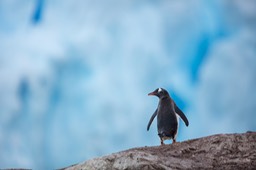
(223, 151)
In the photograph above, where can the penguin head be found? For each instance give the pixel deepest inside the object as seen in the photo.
(159, 92)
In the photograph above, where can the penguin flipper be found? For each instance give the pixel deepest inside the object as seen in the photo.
(181, 114)
(151, 119)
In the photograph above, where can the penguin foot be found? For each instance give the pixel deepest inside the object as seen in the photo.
(162, 142)
(174, 141)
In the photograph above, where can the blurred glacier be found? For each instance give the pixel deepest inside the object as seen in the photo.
(74, 75)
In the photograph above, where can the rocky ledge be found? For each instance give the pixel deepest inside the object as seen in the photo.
(222, 151)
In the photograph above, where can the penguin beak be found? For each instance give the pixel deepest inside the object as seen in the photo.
(152, 93)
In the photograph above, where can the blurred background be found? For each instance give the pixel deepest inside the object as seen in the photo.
(74, 75)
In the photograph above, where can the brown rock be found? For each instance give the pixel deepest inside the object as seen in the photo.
(222, 151)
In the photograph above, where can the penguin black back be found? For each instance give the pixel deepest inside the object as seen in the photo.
(167, 116)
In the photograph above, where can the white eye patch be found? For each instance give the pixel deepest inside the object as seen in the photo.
(159, 90)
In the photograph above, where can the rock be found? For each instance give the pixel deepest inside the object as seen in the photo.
(222, 151)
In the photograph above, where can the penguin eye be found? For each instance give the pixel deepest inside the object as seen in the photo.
(160, 91)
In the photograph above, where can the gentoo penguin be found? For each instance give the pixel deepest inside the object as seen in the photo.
(168, 115)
